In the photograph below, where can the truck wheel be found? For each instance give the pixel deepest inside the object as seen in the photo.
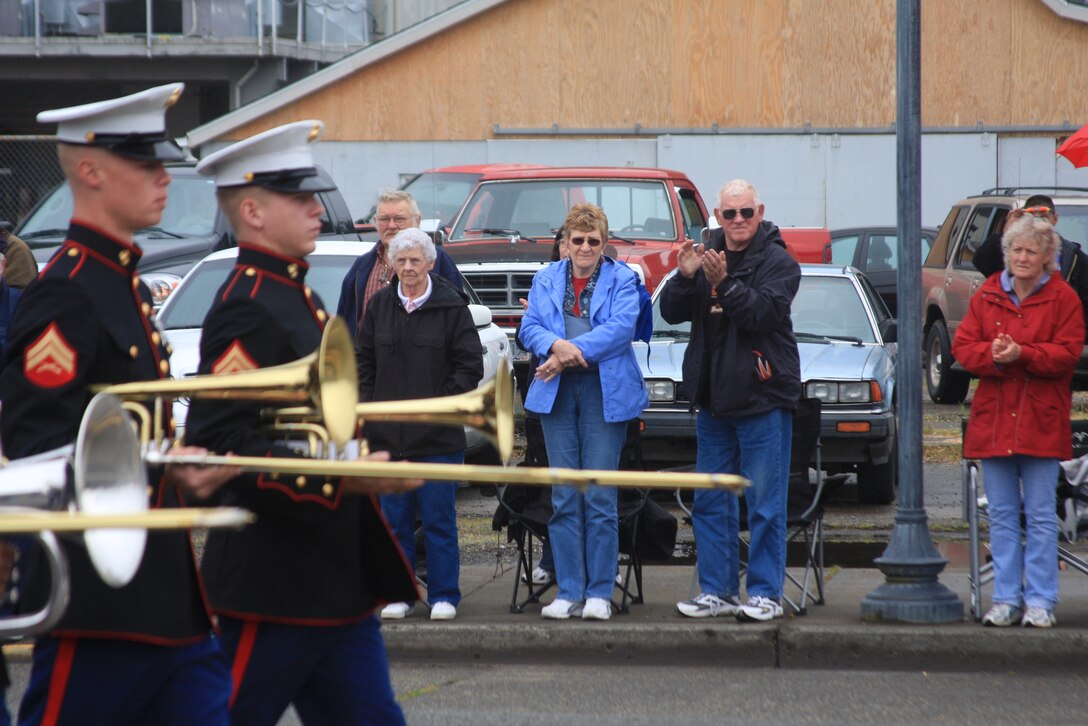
(944, 384)
(877, 482)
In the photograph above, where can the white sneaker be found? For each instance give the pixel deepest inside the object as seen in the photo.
(708, 606)
(540, 576)
(397, 610)
(1039, 618)
(443, 611)
(561, 610)
(597, 608)
(759, 609)
(1002, 615)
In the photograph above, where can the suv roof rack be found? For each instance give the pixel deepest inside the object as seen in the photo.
(1009, 191)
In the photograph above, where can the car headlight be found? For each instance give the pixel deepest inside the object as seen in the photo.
(161, 284)
(844, 391)
(661, 391)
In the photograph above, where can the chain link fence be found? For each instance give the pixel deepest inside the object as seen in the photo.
(28, 170)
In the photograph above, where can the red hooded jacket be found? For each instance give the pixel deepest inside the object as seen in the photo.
(1023, 407)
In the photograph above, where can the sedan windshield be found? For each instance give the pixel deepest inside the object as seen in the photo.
(537, 208)
(189, 304)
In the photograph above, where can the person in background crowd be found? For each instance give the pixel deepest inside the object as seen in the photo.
(418, 340)
(1022, 336)
(742, 370)
(580, 322)
(21, 266)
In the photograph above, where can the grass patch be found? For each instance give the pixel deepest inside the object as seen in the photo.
(941, 453)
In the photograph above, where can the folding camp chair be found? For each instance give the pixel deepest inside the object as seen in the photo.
(1072, 517)
(524, 511)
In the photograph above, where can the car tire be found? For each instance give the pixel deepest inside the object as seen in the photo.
(944, 384)
(877, 482)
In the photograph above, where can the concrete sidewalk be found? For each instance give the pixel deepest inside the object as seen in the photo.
(829, 636)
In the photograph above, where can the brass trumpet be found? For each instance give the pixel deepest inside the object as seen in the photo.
(325, 379)
(489, 409)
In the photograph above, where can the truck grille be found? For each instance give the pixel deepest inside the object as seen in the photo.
(500, 289)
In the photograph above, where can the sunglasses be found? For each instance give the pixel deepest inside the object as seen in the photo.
(746, 212)
(579, 241)
(1038, 211)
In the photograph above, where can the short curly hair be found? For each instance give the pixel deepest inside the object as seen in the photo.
(1034, 229)
(583, 217)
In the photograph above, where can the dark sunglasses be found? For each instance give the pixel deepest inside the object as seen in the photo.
(1039, 211)
(578, 241)
(746, 212)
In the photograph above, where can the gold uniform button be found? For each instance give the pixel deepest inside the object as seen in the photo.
(250, 272)
(300, 482)
(124, 256)
(164, 367)
(322, 315)
(73, 252)
(146, 308)
(327, 490)
(292, 270)
(156, 338)
(133, 351)
(135, 282)
(307, 292)
(169, 349)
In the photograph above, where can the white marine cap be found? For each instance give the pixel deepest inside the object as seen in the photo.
(278, 159)
(133, 126)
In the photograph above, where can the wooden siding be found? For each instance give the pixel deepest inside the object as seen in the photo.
(693, 63)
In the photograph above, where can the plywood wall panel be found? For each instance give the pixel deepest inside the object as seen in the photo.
(694, 63)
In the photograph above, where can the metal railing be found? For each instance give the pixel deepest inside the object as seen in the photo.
(319, 24)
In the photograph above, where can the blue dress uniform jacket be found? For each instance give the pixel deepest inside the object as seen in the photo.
(85, 322)
(315, 556)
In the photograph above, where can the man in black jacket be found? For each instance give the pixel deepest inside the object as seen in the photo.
(295, 592)
(989, 258)
(417, 340)
(142, 653)
(742, 371)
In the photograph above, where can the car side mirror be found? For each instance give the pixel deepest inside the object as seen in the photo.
(433, 227)
(889, 330)
(481, 315)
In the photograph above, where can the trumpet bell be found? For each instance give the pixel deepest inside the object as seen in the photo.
(109, 477)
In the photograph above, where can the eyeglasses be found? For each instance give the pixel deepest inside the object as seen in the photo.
(579, 241)
(746, 212)
(1038, 211)
(399, 220)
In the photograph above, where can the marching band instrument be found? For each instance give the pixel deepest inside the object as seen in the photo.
(489, 409)
(97, 486)
(325, 379)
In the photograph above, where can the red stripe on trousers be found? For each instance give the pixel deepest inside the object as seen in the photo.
(58, 681)
(241, 657)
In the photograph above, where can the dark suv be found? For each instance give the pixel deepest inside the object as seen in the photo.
(949, 279)
(191, 227)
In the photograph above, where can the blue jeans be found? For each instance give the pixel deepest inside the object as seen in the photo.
(1023, 574)
(437, 504)
(758, 448)
(584, 528)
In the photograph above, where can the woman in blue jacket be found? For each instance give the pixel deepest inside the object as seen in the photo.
(580, 322)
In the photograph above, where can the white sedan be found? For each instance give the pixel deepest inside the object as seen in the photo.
(183, 315)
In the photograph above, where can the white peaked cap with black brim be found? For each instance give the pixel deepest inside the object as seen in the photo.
(278, 159)
(133, 126)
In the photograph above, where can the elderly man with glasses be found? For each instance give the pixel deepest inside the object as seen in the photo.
(742, 372)
(373, 271)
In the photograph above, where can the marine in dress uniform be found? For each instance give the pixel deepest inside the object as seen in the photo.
(295, 592)
(142, 653)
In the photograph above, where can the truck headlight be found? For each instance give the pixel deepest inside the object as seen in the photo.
(661, 391)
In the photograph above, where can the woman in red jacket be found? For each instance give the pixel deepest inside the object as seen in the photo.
(1022, 337)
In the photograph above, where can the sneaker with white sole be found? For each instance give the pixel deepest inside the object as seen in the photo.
(561, 610)
(759, 609)
(1002, 615)
(1039, 618)
(596, 608)
(397, 610)
(708, 606)
(540, 576)
(443, 611)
